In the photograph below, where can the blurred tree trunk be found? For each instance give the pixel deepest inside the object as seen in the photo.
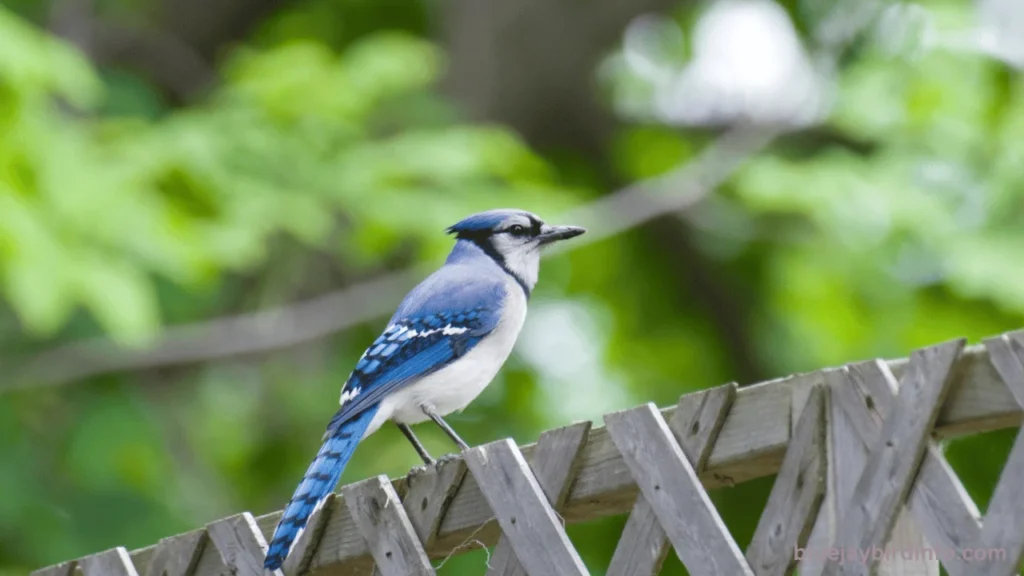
(531, 65)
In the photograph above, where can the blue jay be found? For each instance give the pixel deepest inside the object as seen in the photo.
(445, 343)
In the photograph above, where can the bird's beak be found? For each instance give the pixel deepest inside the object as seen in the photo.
(549, 234)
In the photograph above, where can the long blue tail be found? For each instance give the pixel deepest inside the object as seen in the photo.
(320, 479)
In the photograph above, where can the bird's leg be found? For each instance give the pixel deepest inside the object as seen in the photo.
(429, 411)
(420, 449)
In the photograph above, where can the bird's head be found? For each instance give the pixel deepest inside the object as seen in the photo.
(513, 238)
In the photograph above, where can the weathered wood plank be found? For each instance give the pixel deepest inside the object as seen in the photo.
(555, 462)
(114, 562)
(696, 423)
(894, 459)
(698, 420)
(670, 484)
(62, 569)
(297, 561)
(811, 561)
(863, 395)
(240, 544)
(378, 512)
(1006, 352)
(944, 512)
(1002, 533)
(796, 495)
(428, 494)
(751, 444)
(533, 529)
(177, 556)
(1003, 529)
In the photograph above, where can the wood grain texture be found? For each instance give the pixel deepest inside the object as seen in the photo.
(62, 569)
(378, 512)
(796, 495)
(554, 462)
(696, 423)
(533, 529)
(1002, 534)
(669, 483)
(943, 511)
(428, 493)
(894, 459)
(751, 444)
(1006, 352)
(863, 395)
(297, 561)
(241, 546)
(177, 556)
(114, 562)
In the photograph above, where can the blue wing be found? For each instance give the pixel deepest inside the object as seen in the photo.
(439, 321)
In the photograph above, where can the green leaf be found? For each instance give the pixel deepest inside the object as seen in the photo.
(119, 295)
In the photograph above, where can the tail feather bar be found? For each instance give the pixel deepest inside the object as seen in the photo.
(320, 479)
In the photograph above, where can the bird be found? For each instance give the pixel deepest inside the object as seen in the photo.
(444, 344)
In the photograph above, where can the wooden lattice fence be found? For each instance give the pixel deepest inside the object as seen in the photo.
(854, 449)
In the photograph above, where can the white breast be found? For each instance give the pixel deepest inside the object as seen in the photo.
(453, 387)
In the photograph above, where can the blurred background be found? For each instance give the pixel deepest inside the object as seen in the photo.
(208, 208)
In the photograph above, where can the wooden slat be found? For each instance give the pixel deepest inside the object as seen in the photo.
(669, 483)
(1005, 352)
(944, 512)
(751, 444)
(532, 527)
(378, 512)
(62, 569)
(823, 530)
(858, 422)
(796, 495)
(428, 494)
(894, 459)
(554, 463)
(1002, 535)
(114, 562)
(698, 419)
(308, 538)
(177, 556)
(240, 544)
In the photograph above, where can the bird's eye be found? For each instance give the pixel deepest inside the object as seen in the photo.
(517, 229)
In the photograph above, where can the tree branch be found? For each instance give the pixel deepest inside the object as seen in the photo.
(334, 312)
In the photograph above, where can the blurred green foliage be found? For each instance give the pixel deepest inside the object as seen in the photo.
(322, 158)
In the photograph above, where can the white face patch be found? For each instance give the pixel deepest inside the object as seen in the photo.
(521, 253)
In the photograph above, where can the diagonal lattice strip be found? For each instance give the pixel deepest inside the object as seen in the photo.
(894, 458)
(945, 513)
(698, 419)
(115, 562)
(1002, 534)
(668, 481)
(178, 555)
(555, 462)
(428, 494)
(378, 513)
(531, 525)
(240, 544)
(796, 495)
